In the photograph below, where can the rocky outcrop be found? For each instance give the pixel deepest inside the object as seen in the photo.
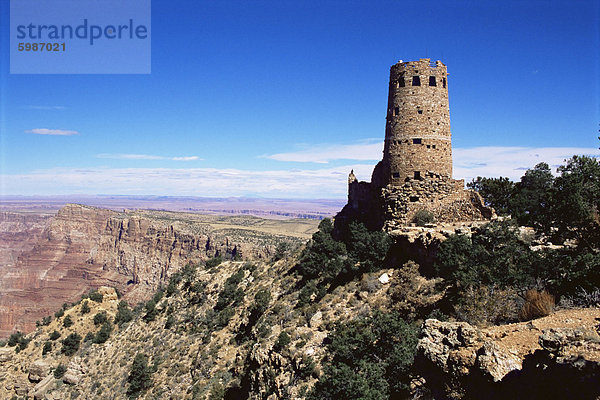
(86, 247)
(38, 370)
(459, 361)
(75, 372)
(41, 389)
(19, 231)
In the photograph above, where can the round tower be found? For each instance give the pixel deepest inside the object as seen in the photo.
(417, 131)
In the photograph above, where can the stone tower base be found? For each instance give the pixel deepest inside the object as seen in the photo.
(444, 197)
(396, 205)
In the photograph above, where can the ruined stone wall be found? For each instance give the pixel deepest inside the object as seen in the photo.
(446, 198)
(417, 134)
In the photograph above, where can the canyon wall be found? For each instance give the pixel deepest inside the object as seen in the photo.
(83, 247)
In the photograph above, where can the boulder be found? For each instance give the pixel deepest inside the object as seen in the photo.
(496, 362)
(384, 278)
(39, 390)
(20, 388)
(38, 370)
(316, 319)
(6, 354)
(74, 373)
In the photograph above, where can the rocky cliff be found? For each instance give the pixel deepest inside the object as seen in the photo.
(19, 231)
(556, 357)
(86, 247)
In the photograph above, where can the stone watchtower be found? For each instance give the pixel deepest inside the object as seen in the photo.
(416, 170)
(417, 130)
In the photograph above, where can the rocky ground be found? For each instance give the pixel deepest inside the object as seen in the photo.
(195, 352)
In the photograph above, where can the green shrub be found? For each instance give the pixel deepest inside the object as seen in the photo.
(71, 344)
(59, 313)
(496, 192)
(124, 314)
(46, 320)
(54, 335)
(323, 256)
(223, 317)
(89, 336)
(169, 322)
(494, 255)
(331, 260)
(85, 308)
(140, 376)
(100, 318)
(59, 371)
(486, 305)
(15, 338)
(213, 262)
(261, 303)
(173, 283)
(368, 358)
(423, 217)
(283, 250)
(95, 296)
(19, 341)
(283, 340)
(103, 333)
(47, 348)
(67, 322)
(231, 295)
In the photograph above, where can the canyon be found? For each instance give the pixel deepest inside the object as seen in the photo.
(47, 260)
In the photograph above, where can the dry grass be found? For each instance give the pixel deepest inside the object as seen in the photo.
(537, 305)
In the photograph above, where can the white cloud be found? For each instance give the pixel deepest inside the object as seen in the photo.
(324, 182)
(511, 162)
(54, 132)
(49, 108)
(491, 161)
(369, 150)
(320, 183)
(146, 157)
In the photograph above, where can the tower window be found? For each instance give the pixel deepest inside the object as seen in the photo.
(444, 82)
(432, 81)
(428, 146)
(416, 80)
(420, 111)
(417, 175)
(400, 82)
(414, 199)
(396, 174)
(396, 111)
(433, 146)
(416, 141)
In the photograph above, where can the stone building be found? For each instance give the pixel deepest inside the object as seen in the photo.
(416, 170)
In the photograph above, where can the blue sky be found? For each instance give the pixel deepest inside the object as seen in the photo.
(283, 98)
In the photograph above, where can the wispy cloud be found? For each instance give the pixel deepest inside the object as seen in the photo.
(511, 162)
(469, 163)
(146, 157)
(54, 132)
(368, 150)
(47, 108)
(326, 181)
(321, 183)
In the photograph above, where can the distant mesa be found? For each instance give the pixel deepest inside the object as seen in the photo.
(416, 170)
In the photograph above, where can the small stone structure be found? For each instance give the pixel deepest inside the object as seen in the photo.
(416, 170)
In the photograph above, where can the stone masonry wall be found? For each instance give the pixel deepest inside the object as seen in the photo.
(417, 136)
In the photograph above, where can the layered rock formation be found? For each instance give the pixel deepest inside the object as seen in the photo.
(553, 357)
(85, 247)
(19, 231)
